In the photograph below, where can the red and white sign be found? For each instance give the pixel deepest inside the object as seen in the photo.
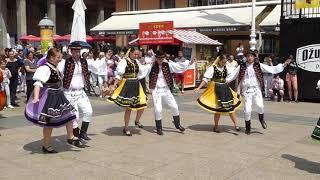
(156, 33)
(189, 78)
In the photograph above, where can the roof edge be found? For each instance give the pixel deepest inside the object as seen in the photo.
(224, 6)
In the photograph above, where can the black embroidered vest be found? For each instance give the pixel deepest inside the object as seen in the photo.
(155, 72)
(54, 80)
(69, 69)
(219, 76)
(257, 70)
(132, 69)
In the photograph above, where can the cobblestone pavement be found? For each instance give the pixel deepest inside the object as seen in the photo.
(283, 151)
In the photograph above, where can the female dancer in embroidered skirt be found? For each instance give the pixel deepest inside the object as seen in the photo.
(219, 98)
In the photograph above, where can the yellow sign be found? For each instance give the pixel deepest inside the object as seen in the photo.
(300, 4)
(46, 36)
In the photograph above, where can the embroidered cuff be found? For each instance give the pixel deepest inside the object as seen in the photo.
(38, 83)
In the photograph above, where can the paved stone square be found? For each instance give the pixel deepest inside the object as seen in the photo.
(283, 151)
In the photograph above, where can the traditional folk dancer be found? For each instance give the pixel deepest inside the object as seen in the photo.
(161, 81)
(316, 132)
(219, 98)
(75, 79)
(130, 93)
(250, 79)
(48, 107)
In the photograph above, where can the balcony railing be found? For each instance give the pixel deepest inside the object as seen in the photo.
(289, 11)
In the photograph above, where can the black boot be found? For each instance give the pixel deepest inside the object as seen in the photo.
(248, 127)
(159, 127)
(76, 132)
(262, 121)
(176, 121)
(75, 142)
(83, 131)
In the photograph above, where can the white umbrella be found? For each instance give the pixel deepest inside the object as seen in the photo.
(78, 31)
(8, 41)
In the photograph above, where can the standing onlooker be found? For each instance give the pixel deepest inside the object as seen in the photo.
(277, 88)
(6, 52)
(180, 75)
(232, 65)
(5, 83)
(30, 66)
(291, 79)
(101, 70)
(22, 73)
(267, 77)
(112, 62)
(149, 59)
(91, 68)
(14, 66)
(240, 50)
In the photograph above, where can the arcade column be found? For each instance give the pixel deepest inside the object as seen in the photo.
(21, 18)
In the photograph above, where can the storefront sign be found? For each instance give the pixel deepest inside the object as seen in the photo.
(128, 32)
(300, 4)
(308, 57)
(156, 33)
(223, 29)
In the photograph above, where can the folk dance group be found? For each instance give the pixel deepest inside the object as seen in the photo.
(59, 96)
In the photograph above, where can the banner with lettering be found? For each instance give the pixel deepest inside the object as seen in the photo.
(156, 33)
(308, 57)
(300, 4)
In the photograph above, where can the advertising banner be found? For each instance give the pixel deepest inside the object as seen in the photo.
(308, 58)
(189, 78)
(156, 33)
(300, 4)
(46, 35)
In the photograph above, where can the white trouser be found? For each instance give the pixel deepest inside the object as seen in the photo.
(163, 93)
(267, 84)
(6, 89)
(22, 86)
(252, 94)
(94, 79)
(101, 79)
(79, 100)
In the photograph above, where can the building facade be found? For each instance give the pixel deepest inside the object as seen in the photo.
(230, 37)
(21, 17)
(138, 5)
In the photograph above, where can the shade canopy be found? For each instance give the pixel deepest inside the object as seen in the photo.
(188, 37)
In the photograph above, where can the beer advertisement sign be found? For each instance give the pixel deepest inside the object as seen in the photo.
(308, 58)
(300, 4)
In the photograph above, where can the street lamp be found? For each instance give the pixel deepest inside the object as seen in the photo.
(253, 41)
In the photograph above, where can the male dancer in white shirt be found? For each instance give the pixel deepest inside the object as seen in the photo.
(160, 84)
(250, 80)
(75, 79)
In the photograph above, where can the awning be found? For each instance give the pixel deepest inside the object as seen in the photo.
(273, 19)
(190, 37)
(193, 37)
(231, 15)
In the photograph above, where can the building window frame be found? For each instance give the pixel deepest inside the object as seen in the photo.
(167, 4)
(132, 5)
(195, 3)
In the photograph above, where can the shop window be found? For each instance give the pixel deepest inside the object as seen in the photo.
(269, 46)
(193, 3)
(166, 4)
(132, 5)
